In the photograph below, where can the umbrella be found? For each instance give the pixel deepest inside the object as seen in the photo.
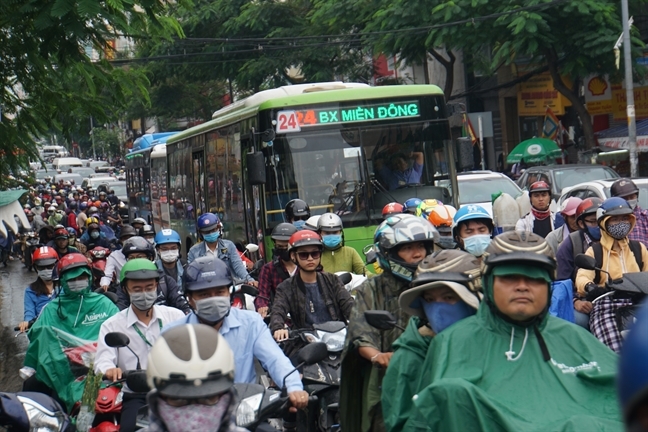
(534, 150)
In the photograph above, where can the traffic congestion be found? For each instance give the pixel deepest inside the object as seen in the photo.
(443, 321)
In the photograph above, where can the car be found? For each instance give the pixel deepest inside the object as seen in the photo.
(41, 174)
(477, 187)
(75, 179)
(94, 182)
(118, 186)
(601, 189)
(564, 176)
(95, 164)
(105, 169)
(85, 172)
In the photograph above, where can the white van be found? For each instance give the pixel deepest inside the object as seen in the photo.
(53, 151)
(63, 163)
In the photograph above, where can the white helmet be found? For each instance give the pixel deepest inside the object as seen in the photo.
(190, 361)
(311, 223)
(329, 222)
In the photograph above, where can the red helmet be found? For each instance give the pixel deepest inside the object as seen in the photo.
(305, 238)
(61, 233)
(71, 261)
(588, 206)
(539, 186)
(44, 256)
(392, 208)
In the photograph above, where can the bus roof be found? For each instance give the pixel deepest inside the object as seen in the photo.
(299, 95)
(146, 140)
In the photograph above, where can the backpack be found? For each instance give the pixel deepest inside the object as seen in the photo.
(635, 247)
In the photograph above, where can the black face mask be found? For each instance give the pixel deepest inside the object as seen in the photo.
(282, 254)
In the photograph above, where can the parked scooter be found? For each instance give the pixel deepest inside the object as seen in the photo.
(30, 411)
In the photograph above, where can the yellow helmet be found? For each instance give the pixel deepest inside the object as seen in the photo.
(92, 220)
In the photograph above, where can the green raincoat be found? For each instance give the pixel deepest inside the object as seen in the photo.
(63, 340)
(480, 375)
(399, 384)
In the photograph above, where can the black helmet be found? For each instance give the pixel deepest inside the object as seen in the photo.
(138, 245)
(623, 187)
(206, 272)
(283, 231)
(127, 230)
(297, 208)
(519, 248)
(146, 230)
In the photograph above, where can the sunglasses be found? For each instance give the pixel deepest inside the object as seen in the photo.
(42, 267)
(177, 402)
(304, 255)
(301, 218)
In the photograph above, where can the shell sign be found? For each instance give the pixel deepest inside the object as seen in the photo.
(598, 95)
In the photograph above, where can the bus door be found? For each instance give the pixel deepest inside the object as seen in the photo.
(198, 162)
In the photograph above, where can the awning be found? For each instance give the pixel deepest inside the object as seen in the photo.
(617, 137)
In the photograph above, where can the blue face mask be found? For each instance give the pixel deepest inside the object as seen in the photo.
(477, 244)
(443, 315)
(299, 224)
(595, 233)
(212, 237)
(332, 240)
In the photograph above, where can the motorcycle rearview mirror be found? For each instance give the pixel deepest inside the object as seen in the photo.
(252, 248)
(136, 381)
(120, 340)
(345, 278)
(249, 290)
(585, 262)
(309, 355)
(381, 320)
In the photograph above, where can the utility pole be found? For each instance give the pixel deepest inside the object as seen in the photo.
(627, 60)
(94, 152)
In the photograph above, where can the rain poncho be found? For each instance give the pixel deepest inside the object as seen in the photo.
(485, 373)
(399, 384)
(63, 340)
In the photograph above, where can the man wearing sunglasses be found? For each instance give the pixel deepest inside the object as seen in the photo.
(310, 296)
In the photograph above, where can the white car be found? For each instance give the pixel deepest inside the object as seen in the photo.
(477, 187)
(601, 189)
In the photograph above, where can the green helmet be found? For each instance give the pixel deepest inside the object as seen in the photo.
(139, 268)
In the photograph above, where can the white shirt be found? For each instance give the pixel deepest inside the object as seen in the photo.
(114, 264)
(124, 322)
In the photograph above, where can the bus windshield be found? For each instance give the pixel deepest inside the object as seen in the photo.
(354, 172)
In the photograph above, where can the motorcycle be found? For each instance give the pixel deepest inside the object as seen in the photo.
(30, 411)
(98, 257)
(30, 242)
(631, 286)
(242, 296)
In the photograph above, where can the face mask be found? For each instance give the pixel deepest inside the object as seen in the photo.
(169, 256)
(72, 240)
(151, 241)
(447, 242)
(144, 300)
(78, 285)
(477, 244)
(221, 216)
(332, 240)
(632, 203)
(299, 224)
(45, 274)
(594, 232)
(213, 309)
(94, 234)
(194, 416)
(282, 254)
(443, 315)
(212, 237)
(619, 230)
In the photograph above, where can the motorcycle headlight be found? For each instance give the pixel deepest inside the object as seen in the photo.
(98, 254)
(311, 337)
(246, 412)
(334, 341)
(41, 419)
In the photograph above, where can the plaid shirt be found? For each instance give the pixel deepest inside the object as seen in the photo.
(269, 279)
(640, 230)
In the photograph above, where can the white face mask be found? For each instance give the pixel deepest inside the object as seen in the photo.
(632, 203)
(77, 285)
(169, 256)
(45, 274)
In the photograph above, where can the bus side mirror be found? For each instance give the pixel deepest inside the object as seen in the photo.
(256, 168)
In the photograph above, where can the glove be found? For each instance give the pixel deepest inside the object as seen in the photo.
(594, 291)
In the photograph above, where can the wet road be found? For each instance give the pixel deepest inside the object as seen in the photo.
(13, 281)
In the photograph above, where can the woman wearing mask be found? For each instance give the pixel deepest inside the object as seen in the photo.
(336, 257)
(473, 229)
(41, 291)
(444, 291)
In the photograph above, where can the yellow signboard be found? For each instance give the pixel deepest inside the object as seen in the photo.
(619, 102)
(538, 93)
(598, 95)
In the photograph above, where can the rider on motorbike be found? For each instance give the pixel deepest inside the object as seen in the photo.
(402, 242)
(444, 291)
(191, 372)
(207, 287)
(512, 366)
(335, 256)
(473, 229)
(41, 291)
(615, 254)
(297, 213)
(142, 322)
(61, 243)
(116, 259)
(76, 313)
(168, 243)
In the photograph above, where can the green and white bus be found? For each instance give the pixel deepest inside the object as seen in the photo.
(345, 148)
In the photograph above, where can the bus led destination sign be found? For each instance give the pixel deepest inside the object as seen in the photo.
(294, 120)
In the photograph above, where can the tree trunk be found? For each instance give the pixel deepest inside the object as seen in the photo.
(449, 67)
(573, 96)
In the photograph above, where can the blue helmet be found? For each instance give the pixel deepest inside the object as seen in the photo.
(83, 205)
(208, 221)
(71, 231)
(632, 381)
(411, 205)
(166, 236)
(206, 272)
(472, 212)
(613, 207)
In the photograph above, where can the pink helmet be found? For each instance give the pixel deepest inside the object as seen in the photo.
(569, 206)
